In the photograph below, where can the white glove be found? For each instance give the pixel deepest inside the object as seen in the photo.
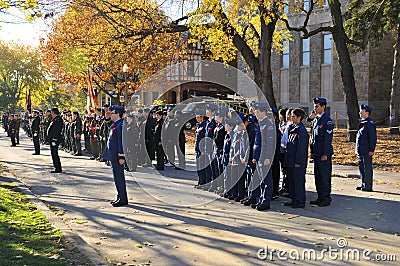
(53, 144)
(35, 135)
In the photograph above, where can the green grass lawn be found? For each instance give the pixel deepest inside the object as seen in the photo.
(26, 236)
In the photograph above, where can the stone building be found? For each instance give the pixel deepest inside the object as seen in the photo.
(309, 68)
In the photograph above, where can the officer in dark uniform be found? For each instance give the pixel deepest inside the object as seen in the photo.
(296, 159)
(132, 142)
(180, 146)
(35, 128)
(321, 152)
(276, 172)
(160, 156)
(77, 134)
(199, 147)
(11, 130)
(54, 137)
(114, 153)
(211, 108)
(149, 126)
(262, 157)
(17, 127)
(365, 147)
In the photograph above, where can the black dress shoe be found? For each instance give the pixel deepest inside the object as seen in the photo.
(114, 201)
(262, 207)
(324, 203)
(78, 154)
(226, 196)
(237, 199)
(315, 202)
(160, 169)
(249, 202)
(56, 171)
(288, 204)
(119, 203)
(244, 199)
(359, 188)
(367, 189)
(231, 197)
(35, 153)
(255, 205)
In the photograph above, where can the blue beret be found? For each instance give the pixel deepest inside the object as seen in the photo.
(319, 100)
(231, 122)
(211, 106)
(117, 107)
(260, 105)
(222, 112)
(201, 112)
(366, 107)
(275, 110)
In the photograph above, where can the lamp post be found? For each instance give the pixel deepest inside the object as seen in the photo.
(125, 69)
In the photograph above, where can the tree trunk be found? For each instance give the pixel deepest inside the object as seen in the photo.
(346, 70)
(263, 76)
(394, 96)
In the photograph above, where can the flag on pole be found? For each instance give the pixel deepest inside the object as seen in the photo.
(28, 102)
(91, 101)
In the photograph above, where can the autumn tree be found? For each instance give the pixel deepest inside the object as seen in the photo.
(20, 70)
(370, 22)
(93, 34)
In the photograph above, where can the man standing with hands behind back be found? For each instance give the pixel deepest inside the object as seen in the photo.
(114, 152)
(54, 137)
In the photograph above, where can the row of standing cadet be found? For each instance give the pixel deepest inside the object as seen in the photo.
(243, 167)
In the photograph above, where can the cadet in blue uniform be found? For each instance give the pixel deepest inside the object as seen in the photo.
(321, 152)
(219, 136)
(238, 157)
(211, 108)
(262, 157)
(296, 159)
(365, 147)
(199, 148)
(114, 153)
(228, 183)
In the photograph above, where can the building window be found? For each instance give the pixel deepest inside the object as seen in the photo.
(155, 95)
(327, 49)
(285, 55)
(144, 98)
(305, 52)
(190, 68)
(306, 5)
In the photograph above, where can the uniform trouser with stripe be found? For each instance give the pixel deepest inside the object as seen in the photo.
(366, 172)
(323, 176)
(297, 185)
(119, 180)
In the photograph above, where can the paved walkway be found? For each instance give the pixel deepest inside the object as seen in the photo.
(168, 222)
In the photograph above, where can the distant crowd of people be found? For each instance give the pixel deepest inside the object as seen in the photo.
(250, 158)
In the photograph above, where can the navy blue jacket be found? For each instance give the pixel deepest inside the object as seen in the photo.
(297, 147)
(114, 149)
(366, 137)
(322, 136)
(200, 134)
(227, 148)
(209, 134)
(264, 142)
